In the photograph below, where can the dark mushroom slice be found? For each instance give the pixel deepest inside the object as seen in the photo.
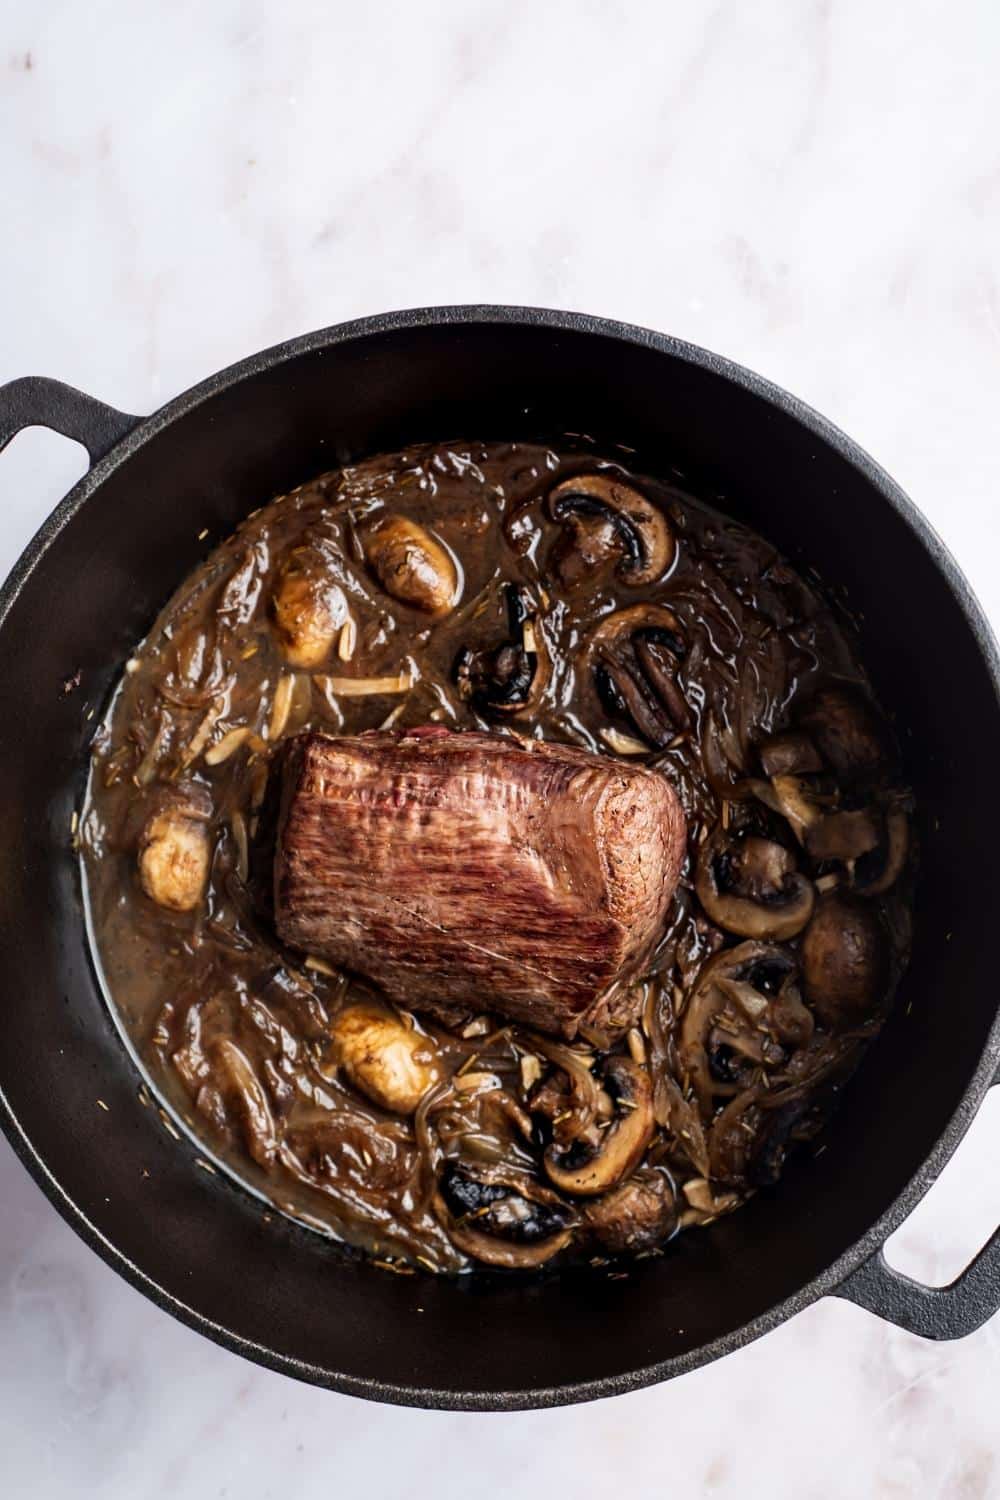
(775, 1138)
(510, 678)
(742, 1016)
(640, 1214)
(879, 869)
(634, 655)
(606, 518)
(790, 754)
(825, 830)
(517, 1224)
(847, 729)
(751, 886)
(844, 960)
(587, 1170)
(412, 565)
(844, 835)
(749, 1141)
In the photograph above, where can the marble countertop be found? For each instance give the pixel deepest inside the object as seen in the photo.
(812, 189)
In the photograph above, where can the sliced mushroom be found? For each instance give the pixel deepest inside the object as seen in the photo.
(748, 1141)
(776, 1136)
(390, 1063)
(605, 518)
(634, 655)
(308, 607)
(638, 1215)
(796, 799)
(174, 856)
(743, 1014)
(621, 1144)
(844, 835)
(751, 886)
(499, 1219)
(510, 678)
(412, 565)
(844, 960)
(824, 829)
(880, 868)
(790, 754)
(847, 729)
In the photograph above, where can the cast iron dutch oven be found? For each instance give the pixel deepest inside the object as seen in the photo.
(89, 585)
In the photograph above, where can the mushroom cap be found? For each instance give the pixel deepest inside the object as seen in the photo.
(753, 989)
(501, 1219)
(509, 678)
(844, 960)
(591, 503)
(847, 729)
(751, 887)
(633, 654)
(637, 1215)
(412, 565)
(621, 1145)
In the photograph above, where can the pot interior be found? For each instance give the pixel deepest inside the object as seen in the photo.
(282, 1293)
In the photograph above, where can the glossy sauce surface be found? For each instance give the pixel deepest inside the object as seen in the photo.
(727, 648)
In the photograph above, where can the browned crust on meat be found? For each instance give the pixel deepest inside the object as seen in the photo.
(467, 872)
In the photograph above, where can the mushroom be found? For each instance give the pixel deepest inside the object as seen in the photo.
(790, 754)
(847, 730)
(501, 1218)
(634, 654)
(751, 886)
(704, 1203)
(638, 1215)
(620, 1145)
(412, 565)
(308, 606)
(844, 835)
(605, 518)
(879, 869)
(775, 1137)
(742, 1015)
(509, 678)
(844, 960)
(390, 1063)
(824, 829)
(174, 856)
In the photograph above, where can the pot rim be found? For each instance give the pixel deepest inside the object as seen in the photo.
(870, 1244)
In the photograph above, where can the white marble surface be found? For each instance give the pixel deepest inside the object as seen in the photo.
(812, 188)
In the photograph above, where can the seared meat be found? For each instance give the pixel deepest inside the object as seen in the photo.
(464, 872)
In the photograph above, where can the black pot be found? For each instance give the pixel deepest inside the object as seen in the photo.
(88, 587)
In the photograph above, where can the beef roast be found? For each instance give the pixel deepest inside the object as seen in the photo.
(466, 872)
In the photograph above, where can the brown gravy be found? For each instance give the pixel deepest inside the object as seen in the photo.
(745, 1054)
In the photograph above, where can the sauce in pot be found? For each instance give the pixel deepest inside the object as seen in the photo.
(515, 590)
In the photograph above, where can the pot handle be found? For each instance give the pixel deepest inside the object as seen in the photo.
(35, 401)
(934, 1312)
